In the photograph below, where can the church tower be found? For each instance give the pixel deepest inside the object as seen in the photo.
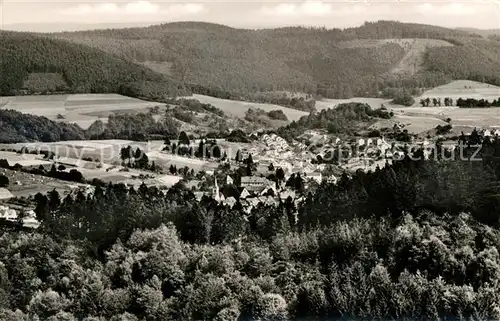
(215, 192)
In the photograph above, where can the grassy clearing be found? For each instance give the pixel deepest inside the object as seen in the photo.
(75, 108)
(238, 108)
(463, 89)
(31, 184)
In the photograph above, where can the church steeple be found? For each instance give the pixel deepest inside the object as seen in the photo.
(216, 194)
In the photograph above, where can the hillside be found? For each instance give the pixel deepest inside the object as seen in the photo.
(312, 60)
(34, 64)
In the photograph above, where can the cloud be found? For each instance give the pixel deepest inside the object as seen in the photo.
(448, 9)
(132, 8)
(307, 8)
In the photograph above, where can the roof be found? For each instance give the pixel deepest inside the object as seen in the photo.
(5, 194)
(253, 179)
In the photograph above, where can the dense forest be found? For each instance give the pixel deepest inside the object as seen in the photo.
(33, 64)
(16, 127)
(415, 240)
(179, 58)
(227, 62)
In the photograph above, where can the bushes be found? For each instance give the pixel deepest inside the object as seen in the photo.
(442, 130)
(277, 114)
(404, 99)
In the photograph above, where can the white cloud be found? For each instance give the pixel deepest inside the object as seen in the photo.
(448, 9)
(316, 8)
(188, 8)
(307, 8)
(138, 8)
(141, 7)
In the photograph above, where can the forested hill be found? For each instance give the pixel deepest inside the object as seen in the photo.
(337, 63)
(33, 64)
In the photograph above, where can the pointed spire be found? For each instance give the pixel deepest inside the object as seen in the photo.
(216, 193)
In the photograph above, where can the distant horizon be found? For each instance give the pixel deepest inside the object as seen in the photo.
(26, 15)
(47, 27)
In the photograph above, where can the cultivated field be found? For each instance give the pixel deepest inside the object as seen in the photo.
(77, 109)
(25, 185)
(418, 119)
(238, 108)
(106, 152)
(23, 159)
(462, 89)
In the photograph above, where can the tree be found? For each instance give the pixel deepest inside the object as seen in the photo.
(271, 167)
(249, 160)
(4, 181)
(183, 138)
(238, 157)
(126, 153)
(75, 176)
(299, 184)
(280, 174)
(54, 200)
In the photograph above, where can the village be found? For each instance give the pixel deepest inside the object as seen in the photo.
(266, 170)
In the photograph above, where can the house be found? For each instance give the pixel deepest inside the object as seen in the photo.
(230, 201)
(229, 180)
(331, 179)
(244, 194)
(285, 194)
(270, 188)
(198, 195)
(252, 183)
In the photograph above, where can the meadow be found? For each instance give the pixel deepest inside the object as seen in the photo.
(419, 119)
(462, 89)
(79, 108)
(238, 108)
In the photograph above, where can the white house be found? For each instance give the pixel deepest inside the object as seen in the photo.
(244, 194)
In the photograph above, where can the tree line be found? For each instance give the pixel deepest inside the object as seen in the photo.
(460, 102)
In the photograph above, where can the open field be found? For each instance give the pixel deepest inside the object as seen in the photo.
(418, 119)
(108, 152)
(78, 108)
(30, 184)
(23, 159)
(238, 108)
(421, 119)
(462, 89)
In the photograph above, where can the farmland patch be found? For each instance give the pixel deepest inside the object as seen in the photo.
(239, 108)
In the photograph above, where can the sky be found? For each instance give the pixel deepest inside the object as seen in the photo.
(36, 15)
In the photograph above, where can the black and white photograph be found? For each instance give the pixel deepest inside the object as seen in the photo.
(249, 160)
